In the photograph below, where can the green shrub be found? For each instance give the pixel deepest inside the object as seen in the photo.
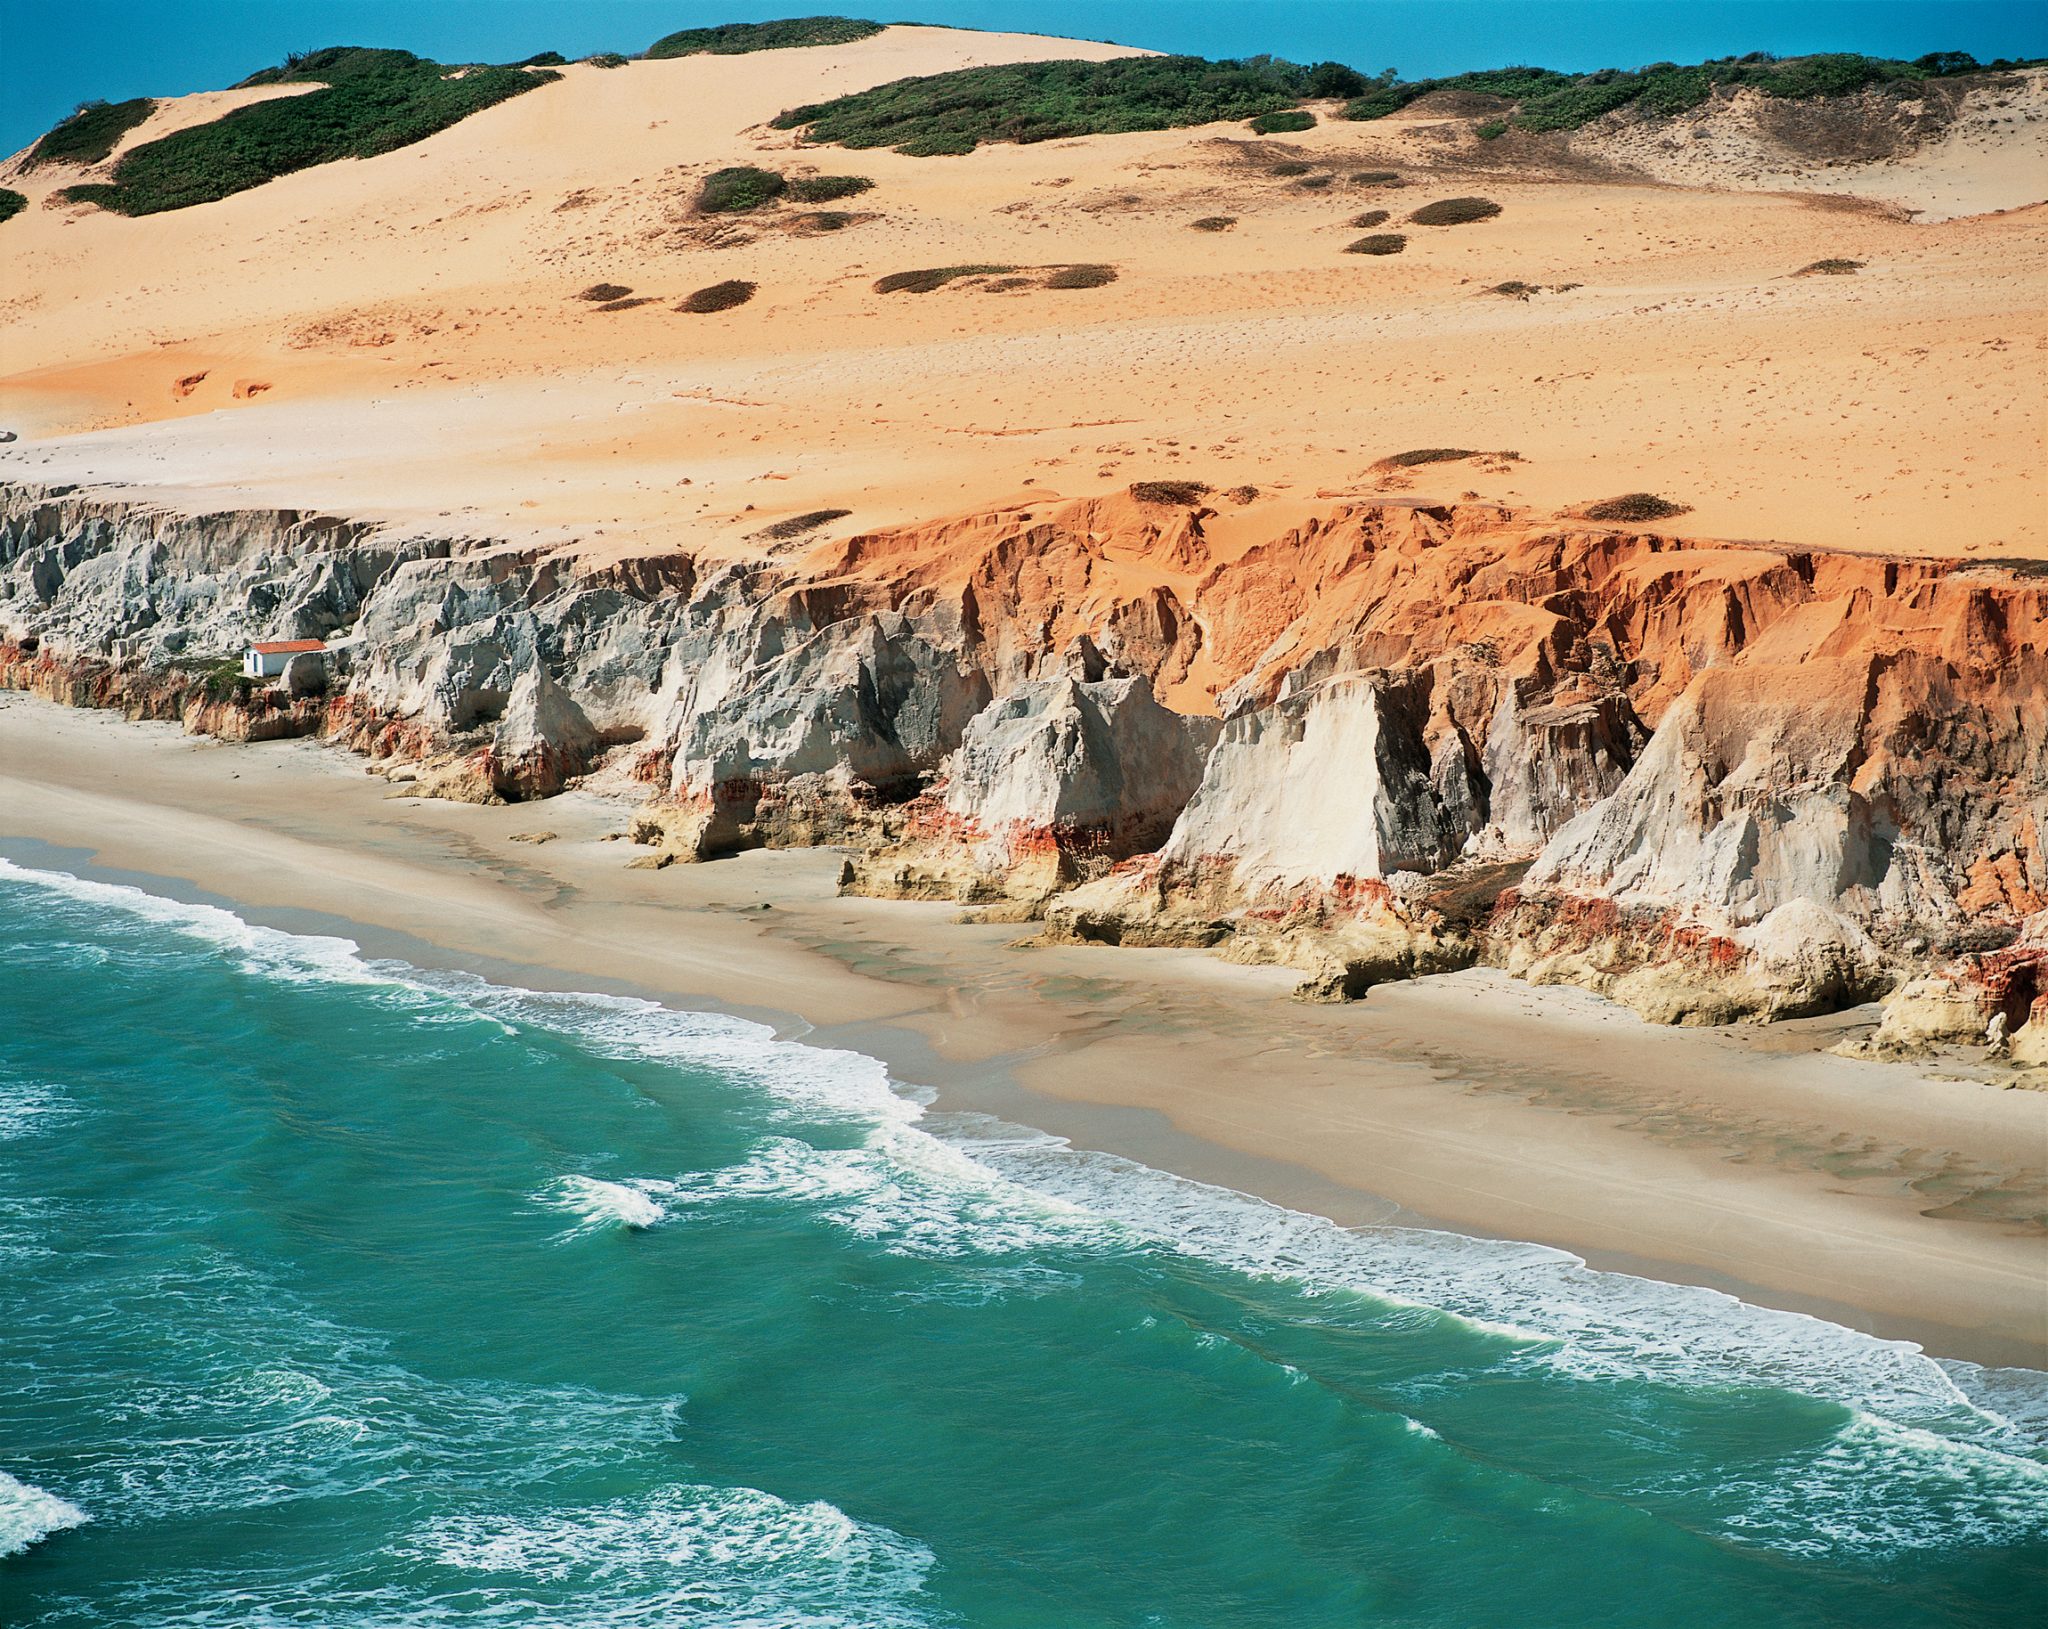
(1283, 123)
(737, 39)
(1547, 100)
(932, 278)
(1379, 243)
(543, 59)
(1372, 217)
(1176, 492)
(1455, 212)
(12, 203)
(1329, 80)
(606, 59)
(1492, 130)
(826, 220)
(1636, 506)
(1045, 101)
(1214, 223)
(738, 189)
(370, 102)
(718, 297)
(1082, 277)
(824, 189)
(89, 134)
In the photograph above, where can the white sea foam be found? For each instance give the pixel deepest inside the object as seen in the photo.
(29, 1108)
(28, 1515)
(971, 1195)
(602, 1204)
(687, 1555)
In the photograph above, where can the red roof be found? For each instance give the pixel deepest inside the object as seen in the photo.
(286, 647)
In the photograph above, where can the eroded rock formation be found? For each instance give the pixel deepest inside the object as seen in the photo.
(1713, 781)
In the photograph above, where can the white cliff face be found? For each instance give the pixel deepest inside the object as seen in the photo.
(1332, 782)
(1064, 753)
(542, 740)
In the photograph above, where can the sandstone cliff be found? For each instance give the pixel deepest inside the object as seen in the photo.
(1724, 780)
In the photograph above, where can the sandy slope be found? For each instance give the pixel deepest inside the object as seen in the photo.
(400, 336)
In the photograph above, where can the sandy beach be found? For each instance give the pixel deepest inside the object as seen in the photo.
(1900, 1200)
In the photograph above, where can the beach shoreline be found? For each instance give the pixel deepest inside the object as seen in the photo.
(1875, 1196)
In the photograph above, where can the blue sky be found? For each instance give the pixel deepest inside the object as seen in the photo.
(56, 53)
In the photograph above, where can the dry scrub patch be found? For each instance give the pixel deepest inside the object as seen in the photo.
(1214, 223)
(1455, 212)
(797, 525)
(1082, 277)
(1378, 243)
(1635, 508)
(1830, 268)
(600, 292)
(724, 296)
(1183, 493)
(932, 278)
(1371, 218)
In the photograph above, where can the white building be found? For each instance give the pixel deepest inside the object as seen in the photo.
(266, 658)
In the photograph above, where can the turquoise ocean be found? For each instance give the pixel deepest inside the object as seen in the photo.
(335, 1293)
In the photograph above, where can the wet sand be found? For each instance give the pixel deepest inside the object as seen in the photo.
(1886, 1197)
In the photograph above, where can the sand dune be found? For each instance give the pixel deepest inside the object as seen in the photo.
(401, 337)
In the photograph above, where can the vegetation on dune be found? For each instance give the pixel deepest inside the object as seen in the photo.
(737, 39)
(797, 525)
(1636, 506)
(1830, 268)
(739, 188)
(12, 203)
(1088, 276)
(718, 297)
(825, 189)
(90, 134)
(933, 278)
(605, 59)
(1427, 455)
(1176, 492)
(1372, 217)
(1290, 167)
(1045, 101)
(1214, 223)
(1377, 178)
(1455, 212)
(1547, 100)
(826, 220)
(1378, 243)
(370, 102)
(605, 292)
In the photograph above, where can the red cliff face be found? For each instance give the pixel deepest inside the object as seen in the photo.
(1742, 779)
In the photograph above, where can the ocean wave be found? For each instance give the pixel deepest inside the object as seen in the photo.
(906, 1191)
(29, 1515)
(601, 1204)
(688, 1555)
(954, 1187)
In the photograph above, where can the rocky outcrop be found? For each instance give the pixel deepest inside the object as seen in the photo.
(1712, 781)
(1997, 998)
(1052, 784)
(1304, 809)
